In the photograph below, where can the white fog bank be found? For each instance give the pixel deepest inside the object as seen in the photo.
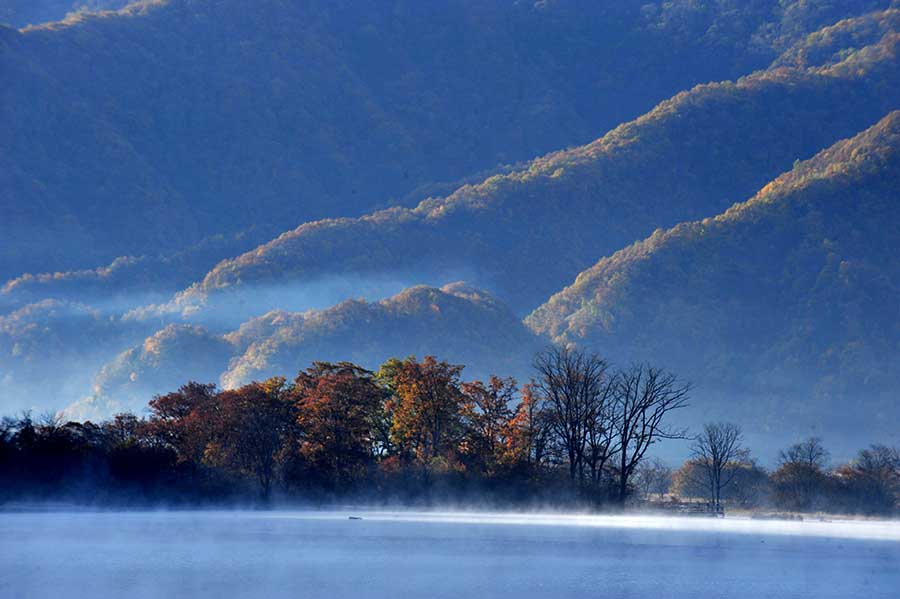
(883, 530)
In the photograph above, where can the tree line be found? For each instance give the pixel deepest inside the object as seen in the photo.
(413, 431)
(722, 471)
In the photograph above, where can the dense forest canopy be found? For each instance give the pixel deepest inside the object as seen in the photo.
(525, 233)
(208, 116)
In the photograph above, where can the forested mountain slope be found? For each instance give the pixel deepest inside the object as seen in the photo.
(20, 13)
(525, 234)
(833, 43)
(457, 322)
(460, 323)
(165, 360)
(146, 130)
(791, 299)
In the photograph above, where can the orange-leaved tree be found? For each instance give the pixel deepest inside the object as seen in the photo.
(339, 411)
(527, 435)
(253, 431)
(426, 409)
(486, 414)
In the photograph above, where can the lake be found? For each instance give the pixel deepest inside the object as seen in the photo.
(410, 555)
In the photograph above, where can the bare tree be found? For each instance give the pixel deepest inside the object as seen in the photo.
(50, 424)
(601, 441)
(644, 396)
(810, 453)
(653, 477)
(7, 427)
(715, 452)
(571, 383)
(879, 464)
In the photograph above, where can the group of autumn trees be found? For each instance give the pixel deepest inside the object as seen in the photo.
(413, 430)
(722, 472)
(578, 433)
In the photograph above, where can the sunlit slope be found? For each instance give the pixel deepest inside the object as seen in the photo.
(146, 130)
(831, 44)
(162, 362)
(152, 165)
(20, 13)
(525, 234)
(791, 298)
(157, 111)
(457, 323)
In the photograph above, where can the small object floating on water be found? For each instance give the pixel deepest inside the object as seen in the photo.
(354, 518)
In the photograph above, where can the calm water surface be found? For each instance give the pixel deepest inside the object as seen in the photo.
(412, 555)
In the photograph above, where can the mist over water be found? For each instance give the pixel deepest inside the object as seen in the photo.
(439, 554)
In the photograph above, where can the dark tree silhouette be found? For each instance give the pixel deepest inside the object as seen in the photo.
(572, 385)
(643, 398)
(715, 453)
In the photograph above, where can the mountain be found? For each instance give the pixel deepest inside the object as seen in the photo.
(162, 362)
(457, 322)
(830, 44)
(525, 234)
(21, 13)
(49, 350)
(784, 308)
(130, 280)
(146, 130)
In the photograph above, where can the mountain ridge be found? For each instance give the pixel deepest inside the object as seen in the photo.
(180, 119)
(458, 322)
(795, 296)
(451, 231)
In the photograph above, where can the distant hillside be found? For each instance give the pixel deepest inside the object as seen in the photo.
(20, 13)
(165, 360)
(790, 299)
(49, 350)
(147, 130)
(834, 43)
(525, 234)
(131, 280)
(457, 322)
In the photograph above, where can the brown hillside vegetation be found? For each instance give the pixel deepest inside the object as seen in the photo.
(174, 120)
(792, 295)
(525, 233)
(462, 323)
(287, 186)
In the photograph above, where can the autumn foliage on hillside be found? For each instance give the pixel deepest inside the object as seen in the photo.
(176, 120)
(413, 430)
(371, 147)
(791, 294)
(462, 323)
(527, 232)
